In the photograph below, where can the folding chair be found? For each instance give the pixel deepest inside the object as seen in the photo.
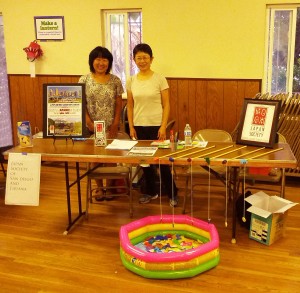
(123, 173)
(268, 176)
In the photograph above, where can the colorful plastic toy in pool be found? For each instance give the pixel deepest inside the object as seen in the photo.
(200, 252)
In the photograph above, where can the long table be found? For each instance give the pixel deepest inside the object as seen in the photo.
(214, 154)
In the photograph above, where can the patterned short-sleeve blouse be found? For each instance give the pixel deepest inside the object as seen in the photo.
(101, 98)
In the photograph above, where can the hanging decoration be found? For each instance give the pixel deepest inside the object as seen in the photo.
(33, 51)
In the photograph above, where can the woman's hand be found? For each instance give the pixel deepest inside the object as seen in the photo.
(113, 131)
(133, 133)
(90, 127)
(162, 135)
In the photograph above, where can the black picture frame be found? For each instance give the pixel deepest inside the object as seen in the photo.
(64, 108)
(259, 122)
(49, 28)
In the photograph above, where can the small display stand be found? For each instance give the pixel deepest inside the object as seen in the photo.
(100, 135)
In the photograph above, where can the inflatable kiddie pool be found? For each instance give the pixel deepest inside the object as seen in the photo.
(175, 262)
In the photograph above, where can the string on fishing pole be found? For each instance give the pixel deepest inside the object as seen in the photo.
(208, 195)
(244, 162)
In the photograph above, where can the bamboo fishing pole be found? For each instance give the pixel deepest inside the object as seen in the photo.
(229, 152)
(267, 153)
(248, 153)
(224, 148)
(174, 153)
(188, 154)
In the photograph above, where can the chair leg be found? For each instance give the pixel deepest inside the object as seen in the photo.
(88, 196)
(138, 169)
(3, 169)
(130, 200)
(282, 192)
(129, 183)
(229, 185)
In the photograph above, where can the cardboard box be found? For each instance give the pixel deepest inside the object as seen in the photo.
(268, 217)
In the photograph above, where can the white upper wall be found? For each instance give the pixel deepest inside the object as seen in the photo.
(189, 38)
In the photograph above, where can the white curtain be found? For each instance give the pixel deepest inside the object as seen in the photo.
(5, 117)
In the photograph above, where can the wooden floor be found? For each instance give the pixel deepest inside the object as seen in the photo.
(35, 256)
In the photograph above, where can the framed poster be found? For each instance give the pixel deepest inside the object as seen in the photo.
(49, 28)
(64, 110)
(258, 124)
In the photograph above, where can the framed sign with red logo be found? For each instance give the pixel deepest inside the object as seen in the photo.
(258, 124)
(100, 135)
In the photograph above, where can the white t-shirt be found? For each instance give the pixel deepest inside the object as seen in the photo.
(147, 110)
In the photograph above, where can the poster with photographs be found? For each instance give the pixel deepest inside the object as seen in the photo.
(64, 111)
(258, 124)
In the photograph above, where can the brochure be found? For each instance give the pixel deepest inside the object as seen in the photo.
(142, 151)
(24, 134)
(162, 144)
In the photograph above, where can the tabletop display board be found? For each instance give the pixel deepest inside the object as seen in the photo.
(64, 110)
(23, 179)
(258, 124)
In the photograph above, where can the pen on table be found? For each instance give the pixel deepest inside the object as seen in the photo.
(176, 137)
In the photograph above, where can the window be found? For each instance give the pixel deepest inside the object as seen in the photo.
(123, 30)
(282, 74)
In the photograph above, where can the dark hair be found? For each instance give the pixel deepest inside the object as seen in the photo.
(102, 53)
(142, 48)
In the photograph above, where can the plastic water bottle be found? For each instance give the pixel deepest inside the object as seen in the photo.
(188, 135)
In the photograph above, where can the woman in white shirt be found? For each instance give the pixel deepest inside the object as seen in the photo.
(148, 109)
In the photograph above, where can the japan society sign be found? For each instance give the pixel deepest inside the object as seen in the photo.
(258, 124)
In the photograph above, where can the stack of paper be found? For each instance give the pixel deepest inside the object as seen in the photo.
(163, 144)
(121, 144)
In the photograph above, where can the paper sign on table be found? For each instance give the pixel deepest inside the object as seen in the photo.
(23, 179)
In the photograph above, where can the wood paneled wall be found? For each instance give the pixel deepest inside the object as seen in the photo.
(209, 103)
(204, 103)
(26, 98)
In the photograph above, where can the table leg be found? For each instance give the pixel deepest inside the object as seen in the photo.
(78, 189)
(68, 187)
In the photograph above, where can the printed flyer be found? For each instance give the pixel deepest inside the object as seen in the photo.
(64, 110)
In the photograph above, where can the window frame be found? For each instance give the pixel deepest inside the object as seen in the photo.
(269, 41)
(107, 34)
